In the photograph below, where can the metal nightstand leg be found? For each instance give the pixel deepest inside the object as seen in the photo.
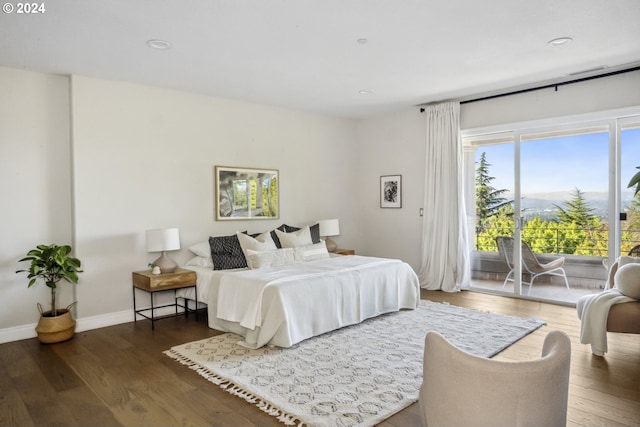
(153, 318)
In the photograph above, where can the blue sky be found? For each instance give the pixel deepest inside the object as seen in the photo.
(562, 164)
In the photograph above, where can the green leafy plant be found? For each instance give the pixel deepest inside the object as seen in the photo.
(635, 180)
(52, 263)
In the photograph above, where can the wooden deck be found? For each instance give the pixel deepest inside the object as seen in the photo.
(118, 376)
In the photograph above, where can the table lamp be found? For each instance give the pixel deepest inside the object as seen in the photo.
(162, 240)
(329, 227)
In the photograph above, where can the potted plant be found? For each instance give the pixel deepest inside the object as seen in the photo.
(52, 263)
(155, 269)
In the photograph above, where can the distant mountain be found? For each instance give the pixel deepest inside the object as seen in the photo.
(568, 195)
(545, 205)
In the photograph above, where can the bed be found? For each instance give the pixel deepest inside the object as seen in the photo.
(281, 304)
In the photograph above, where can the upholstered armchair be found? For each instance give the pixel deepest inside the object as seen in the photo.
(460, 389)
(616, 309)
(625, 317)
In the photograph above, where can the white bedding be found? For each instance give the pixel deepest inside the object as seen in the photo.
(284, 305)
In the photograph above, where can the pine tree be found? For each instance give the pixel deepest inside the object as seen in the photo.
(582, 232)
(488, 199)
(577, 210)
(501, 224)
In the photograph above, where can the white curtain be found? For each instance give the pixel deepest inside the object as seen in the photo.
(445, 262)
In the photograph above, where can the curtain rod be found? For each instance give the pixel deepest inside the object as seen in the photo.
(547, 86)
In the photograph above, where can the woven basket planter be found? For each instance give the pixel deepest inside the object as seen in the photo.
(57, 328)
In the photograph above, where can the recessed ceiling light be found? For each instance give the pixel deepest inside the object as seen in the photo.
(365, 91)
(363, 41)
(159, 44)
(559, 41)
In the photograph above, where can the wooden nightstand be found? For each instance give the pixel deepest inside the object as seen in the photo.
(345, 251)
(152, 283)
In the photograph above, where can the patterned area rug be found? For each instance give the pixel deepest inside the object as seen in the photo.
(355, 376)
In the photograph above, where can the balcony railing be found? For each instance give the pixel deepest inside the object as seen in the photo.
(561, 241)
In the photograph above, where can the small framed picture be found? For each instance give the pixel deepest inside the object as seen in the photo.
(391, 191)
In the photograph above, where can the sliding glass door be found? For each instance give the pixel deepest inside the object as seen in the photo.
(629, 201)
(553, 190)
(493, 208)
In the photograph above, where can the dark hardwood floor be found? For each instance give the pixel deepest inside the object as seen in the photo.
(118, 376)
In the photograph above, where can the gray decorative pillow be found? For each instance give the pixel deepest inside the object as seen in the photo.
(226, 253)
(315, 233)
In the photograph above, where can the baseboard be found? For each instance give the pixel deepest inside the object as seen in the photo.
(18, 333)
(24, 332)
(103, 320)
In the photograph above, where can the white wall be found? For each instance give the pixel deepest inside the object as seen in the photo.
(607, 93)
(143, 158)
(392, 145)
(35, 185)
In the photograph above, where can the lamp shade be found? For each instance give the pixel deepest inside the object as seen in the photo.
(329, 227)
(163, 239)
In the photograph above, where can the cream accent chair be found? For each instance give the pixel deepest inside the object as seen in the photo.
(460, 389)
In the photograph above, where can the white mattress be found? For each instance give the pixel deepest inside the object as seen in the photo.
(300, 301)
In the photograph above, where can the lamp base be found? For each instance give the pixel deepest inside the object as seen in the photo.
(166, 264)
(331, 245)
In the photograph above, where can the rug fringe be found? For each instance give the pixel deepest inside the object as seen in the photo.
(235, 390)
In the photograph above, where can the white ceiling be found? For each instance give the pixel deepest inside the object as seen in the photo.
(305, 54)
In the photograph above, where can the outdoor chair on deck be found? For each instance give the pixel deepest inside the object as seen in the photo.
(530, 263)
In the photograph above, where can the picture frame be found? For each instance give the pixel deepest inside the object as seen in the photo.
(391, 191)
(246, 193)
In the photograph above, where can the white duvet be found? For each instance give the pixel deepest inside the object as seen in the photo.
(284, 305)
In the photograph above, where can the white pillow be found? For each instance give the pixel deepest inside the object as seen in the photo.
(313, 252)
(263, 259)
(294, 239)
(263, 242)
(200, 261)
(284, 256)
(627, 280)
(201, 249)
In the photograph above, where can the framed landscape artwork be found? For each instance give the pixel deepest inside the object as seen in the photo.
(246, 193)
(391, 191)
